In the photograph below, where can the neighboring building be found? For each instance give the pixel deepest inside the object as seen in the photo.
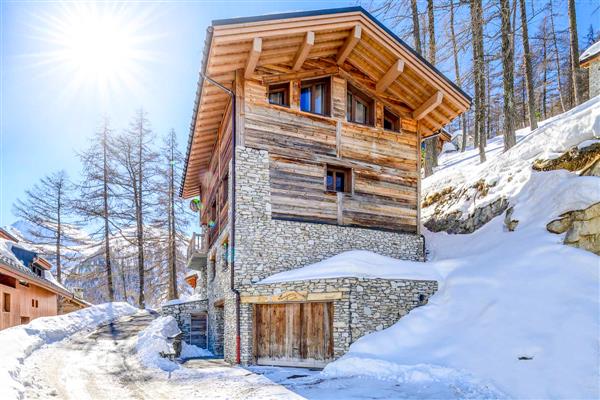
(305, 144)
(27, 288)
(590, 59)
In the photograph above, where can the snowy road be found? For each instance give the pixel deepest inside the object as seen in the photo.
(103, 365)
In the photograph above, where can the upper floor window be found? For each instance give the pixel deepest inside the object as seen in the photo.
(359, 107)
(338, 179)
(280, 94)
(314, 96)
(391, 121)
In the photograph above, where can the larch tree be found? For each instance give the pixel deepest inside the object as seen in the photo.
(478, 74)
(431, 143)
(136, 163)
(415, 25)
(508, 79)
(45, 207)
(528, 68)
(574, 50)
(96, 198)
(556, 55)
(463, 118)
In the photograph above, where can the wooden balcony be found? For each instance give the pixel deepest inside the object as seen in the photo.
(196, 253)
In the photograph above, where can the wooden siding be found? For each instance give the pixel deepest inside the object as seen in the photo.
(22, 310)
(384, 164)
(293, 333)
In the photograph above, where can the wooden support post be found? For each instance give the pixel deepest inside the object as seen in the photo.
(253, 57)
(428, 106)
(350, 43)
(390, 76)
(302, 54)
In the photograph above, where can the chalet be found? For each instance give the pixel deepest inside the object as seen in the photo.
(27, 288)
(305, 144)
(590, 59)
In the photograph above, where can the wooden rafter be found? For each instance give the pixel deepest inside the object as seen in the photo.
(307, 44)
(428, 106)
(390, 76)
(350, 43)
(253, 57)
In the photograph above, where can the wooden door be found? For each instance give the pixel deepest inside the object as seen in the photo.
(198, 327)
(293, 333)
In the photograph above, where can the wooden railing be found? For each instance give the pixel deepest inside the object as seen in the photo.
(195, 245)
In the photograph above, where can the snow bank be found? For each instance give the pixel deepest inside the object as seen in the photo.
(154, 340)
(359, 264)
(517, 309)
(19, 342)
(191, 351)
(184, 299)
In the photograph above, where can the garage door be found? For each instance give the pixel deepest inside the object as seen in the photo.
(294, 334)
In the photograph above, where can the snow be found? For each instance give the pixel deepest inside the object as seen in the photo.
(154, 340)
(17, 343)
(359, 264)
(504, 295)
(191, 351)
(183, 299)
(590, 52)
(448, 147)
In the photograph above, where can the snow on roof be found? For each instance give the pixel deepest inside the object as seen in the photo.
(591, 51)
(358, 264)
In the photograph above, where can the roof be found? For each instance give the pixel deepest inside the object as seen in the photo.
(229, 42)
(592, 53)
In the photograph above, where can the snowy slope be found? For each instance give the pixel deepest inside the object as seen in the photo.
(516, 311)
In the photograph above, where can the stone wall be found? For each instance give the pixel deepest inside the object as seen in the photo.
(182, 313)
(582, 228)
(265, 246)
(594, 77)
(365, 306)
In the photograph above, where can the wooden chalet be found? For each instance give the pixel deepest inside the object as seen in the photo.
(25, 291)
(327, 110)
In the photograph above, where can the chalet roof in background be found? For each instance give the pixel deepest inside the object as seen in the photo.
(591, 52)
(228, 43)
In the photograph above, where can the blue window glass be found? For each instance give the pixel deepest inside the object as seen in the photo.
(305, 99)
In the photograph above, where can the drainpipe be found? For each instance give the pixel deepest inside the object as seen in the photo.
(232, 236)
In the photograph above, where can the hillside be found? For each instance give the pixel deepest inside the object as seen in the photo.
(517, 311)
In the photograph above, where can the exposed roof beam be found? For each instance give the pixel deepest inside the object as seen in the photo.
(307, 44)
(390, 76)
(253, 57)
(350, 43)
(428, 106)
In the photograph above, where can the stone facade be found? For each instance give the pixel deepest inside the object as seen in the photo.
(264, 246)
(594, 78)
(182, 313)
(365, 306)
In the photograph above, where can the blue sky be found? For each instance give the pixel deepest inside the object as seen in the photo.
(48, 112)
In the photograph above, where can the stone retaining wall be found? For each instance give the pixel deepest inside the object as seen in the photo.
(182, 313)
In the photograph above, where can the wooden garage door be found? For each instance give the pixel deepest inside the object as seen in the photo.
(294, 333)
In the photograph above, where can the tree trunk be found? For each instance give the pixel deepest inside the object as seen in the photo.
(457, 72)
(107, 261)
(478, 69)
(428, 164)
(528, 68)
(59, 236)
(574, 45)
(172, 231)
(140, 217)
(508, 80)
(556, 59)
(416, 29)
(545, 73)
(431, 31)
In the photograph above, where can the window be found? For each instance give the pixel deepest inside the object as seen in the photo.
(6, 302)
(37, 270)
(32, 303)
(314, 96)
(391, 121)
(225, 189)
(359, 107)
(338, 179)
(37, 305)
(280, 94)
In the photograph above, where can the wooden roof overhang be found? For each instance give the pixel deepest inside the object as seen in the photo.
(349, 39)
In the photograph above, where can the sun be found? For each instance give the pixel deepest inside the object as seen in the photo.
(100, 46)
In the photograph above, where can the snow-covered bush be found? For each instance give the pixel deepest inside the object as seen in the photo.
(154, 340)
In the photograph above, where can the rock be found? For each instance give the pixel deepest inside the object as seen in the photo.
(575, 159)
(582, 228)
(511, 224)
(455, 223)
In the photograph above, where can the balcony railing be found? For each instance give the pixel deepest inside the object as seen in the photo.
(196, 252)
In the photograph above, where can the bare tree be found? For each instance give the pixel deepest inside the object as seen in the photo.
(478, 73)
(556, 56)
(136, 160)
(528, 69)
(508, 67)
(45, 208)
(97, 194)
(574, 47)
(415, 25)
